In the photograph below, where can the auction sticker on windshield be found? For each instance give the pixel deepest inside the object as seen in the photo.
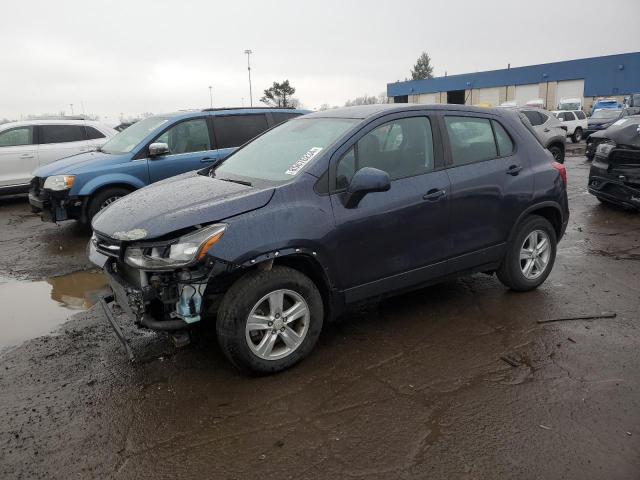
(297, 166)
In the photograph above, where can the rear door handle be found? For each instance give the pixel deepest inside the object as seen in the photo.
(27, 155)
(434, 194)
(546, 130)
(514, 170)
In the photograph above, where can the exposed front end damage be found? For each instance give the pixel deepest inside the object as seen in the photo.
(54, 206)
(615, 175)
(170, 301)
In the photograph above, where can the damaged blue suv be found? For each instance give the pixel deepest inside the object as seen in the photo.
(329, 210)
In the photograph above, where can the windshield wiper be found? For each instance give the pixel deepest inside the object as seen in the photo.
(241, 182)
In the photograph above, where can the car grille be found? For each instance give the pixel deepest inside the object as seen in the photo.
(107, 246)
(625, 157)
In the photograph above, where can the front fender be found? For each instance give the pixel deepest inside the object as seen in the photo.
(101, 181)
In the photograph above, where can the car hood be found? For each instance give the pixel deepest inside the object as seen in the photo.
(70, 164)
(177, 203)
(600, 121)
(626, 132)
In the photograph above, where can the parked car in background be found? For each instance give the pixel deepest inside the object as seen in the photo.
(26, 145)
(535, 103)
(122, 126)
(633, 100)
(152, 149)
(615, 172)
(605, 104)
(602, 119)
(575, 121)
(572, 104)
(329, 210)
(551, 133)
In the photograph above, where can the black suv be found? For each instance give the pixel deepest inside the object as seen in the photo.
(328, 210)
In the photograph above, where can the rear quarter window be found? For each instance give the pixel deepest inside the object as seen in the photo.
(93, 133)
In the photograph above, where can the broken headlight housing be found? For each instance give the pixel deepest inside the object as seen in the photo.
(182, 252)
(604, 149)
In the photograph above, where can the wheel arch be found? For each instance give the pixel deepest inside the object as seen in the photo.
(102, 188)
(549, 210)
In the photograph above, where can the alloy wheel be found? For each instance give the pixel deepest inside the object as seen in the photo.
(535, 254)
(108, 202)
(277, 324)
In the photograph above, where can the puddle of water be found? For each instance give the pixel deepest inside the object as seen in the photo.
(31, 309)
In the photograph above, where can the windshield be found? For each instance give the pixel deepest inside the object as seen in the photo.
(129, 138)
(569, 106)
(607, 113)
(281, 153)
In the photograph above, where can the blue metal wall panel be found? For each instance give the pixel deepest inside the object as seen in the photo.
(602, 76)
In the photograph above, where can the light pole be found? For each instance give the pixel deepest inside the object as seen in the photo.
(211, 96)
(249, 52)
(71, 105)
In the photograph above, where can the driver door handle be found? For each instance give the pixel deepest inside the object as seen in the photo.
(434, 194)
(27, 155)
(208, 159)
(514, 170)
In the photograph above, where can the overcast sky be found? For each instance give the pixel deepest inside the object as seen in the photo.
(155, 56)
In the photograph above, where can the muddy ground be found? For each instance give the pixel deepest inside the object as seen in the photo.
(411, 388)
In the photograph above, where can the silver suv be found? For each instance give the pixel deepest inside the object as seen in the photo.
(549, 130)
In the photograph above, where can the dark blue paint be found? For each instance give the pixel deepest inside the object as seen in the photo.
(393, 239)
(602, 76)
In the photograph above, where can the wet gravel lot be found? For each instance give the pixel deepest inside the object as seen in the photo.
(412, 388)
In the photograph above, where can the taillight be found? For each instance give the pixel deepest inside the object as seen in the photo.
(561, 170)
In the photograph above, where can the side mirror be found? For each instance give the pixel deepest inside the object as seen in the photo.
(158, 149)
(366, 180)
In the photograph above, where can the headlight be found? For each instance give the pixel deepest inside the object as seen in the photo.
(182, 252)
(604, 149)
(59, 182)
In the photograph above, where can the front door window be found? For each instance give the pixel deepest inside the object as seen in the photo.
(186, 137)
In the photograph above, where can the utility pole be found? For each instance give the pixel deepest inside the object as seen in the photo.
(71, 105)
(249, 52)
(211, 96)
(242, 100)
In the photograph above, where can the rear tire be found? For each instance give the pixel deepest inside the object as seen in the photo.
(103, 199)
(254, 296)
(577, 135)
(524, 268)
(558, 154)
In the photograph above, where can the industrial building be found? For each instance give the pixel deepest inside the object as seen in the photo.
(588, 78)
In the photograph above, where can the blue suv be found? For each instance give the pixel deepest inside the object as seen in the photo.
(330, 210)
(150, 150)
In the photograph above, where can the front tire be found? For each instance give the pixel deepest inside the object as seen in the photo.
(577, 135)
(530, 255)
(269, 320)
(103, 199)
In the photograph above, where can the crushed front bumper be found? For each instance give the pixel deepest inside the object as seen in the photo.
(54, 206)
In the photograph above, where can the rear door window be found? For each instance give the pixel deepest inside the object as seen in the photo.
(187, 137)
(62, 133)
(471, 139)
(505, 144)
(580, 115)
(16, 137)
(235, 130)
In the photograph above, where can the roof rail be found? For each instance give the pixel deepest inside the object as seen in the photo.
(217, 109)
